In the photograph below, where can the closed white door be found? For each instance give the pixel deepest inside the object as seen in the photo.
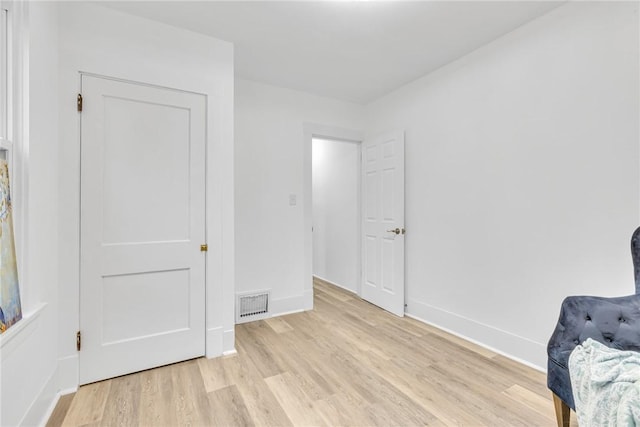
(383, 221)
(142, 272)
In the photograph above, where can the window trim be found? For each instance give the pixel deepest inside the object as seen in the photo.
(15, 145)
(4, 71)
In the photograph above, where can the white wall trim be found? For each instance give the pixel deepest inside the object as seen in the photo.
(50, 409)
(69, 373)
(44, 403)
(28, 406)
(308, 298)
(219, 342)
(17, 142)
(214, 346)
(16, 334)
(288, 305)
(523, 350)
(331, 132)
(228, 341)
(286, 313)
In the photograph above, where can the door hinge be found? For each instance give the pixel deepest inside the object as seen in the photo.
(204, 248)
(78, 341)
(79, 103)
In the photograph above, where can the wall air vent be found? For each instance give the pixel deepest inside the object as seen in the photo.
(252, 306)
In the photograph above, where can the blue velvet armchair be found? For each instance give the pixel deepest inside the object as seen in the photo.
(614, 322)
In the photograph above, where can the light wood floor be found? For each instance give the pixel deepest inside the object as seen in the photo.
(346, 363)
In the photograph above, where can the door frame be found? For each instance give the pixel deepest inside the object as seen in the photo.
(219, 265)
(207, 68)
(81, 76)
(314, 130)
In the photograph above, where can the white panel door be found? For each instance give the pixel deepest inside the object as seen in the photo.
(142, 274)
(383, 221)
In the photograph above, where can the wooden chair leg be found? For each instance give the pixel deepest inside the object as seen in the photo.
(563, 412)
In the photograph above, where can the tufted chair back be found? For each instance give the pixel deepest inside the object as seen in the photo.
(615, 322)
(635, 254)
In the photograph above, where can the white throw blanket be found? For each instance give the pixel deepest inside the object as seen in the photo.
(606, 385)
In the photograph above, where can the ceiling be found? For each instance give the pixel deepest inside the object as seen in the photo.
(350, 50)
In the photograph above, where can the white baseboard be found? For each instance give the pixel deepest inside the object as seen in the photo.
(47, 414)
(214, 342)
(292, 305)
(43, 405)
(67, 391)
(288, 305)
(63, 381)
(335, 284)
(308, 299)
(68, 373)
(517, 348)
(229, 341)
(230, 352)
(53, 405)
(286, 313)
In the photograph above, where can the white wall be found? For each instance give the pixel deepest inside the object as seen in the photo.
(102, 41)
(522, 176)
(29, 350)
(269, 160)
(336, 221)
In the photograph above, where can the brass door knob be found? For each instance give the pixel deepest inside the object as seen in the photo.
(397, 231)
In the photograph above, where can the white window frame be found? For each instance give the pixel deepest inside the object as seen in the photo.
(6, 76)
(14, 144)
(4, 92)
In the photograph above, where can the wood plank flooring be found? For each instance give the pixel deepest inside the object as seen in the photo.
(346, 363)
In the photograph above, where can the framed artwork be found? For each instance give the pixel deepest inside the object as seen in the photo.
(10, 309)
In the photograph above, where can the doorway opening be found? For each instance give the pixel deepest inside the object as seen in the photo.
(381, 215)
(336, 211)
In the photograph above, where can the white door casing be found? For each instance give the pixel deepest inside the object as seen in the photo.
(382, 216)
(142, 273)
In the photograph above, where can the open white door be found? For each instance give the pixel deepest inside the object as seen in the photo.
(383, 221)
(142, 272)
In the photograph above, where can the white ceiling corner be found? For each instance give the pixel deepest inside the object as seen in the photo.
(351, 50)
